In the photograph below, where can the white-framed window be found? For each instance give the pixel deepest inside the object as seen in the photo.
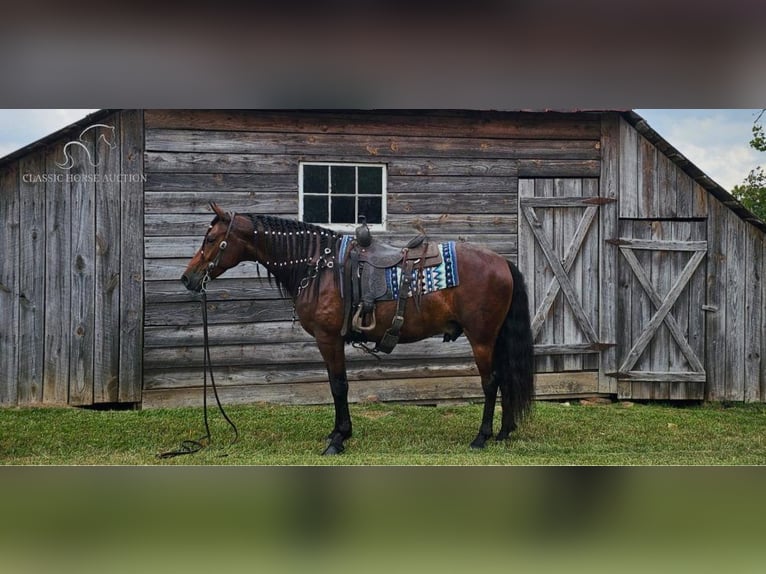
(336, 194)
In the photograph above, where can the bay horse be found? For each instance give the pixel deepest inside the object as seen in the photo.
(489, 305)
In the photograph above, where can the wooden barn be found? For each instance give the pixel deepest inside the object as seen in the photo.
(645, 275)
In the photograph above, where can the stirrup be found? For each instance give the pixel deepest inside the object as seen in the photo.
(357, 323)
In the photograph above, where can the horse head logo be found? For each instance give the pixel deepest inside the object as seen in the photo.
(106, 136)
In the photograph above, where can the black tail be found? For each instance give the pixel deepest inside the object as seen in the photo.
(513, 360)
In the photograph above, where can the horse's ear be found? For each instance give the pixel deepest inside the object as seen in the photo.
(222, 215)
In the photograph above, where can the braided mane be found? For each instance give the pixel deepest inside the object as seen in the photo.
(292, 248)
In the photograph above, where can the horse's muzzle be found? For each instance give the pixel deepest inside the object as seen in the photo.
(190, 283)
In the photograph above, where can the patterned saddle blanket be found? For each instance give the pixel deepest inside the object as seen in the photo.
(384, 285)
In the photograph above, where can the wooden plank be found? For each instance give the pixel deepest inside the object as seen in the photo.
(265, 164)
(106, 324)
(9, 283)
(609, 282)
(570, 218)
(32, 282)
(568, 349)
(449, 185)
(628, 170)
(659, 377)
(715, 321)
(385, 390)
(684, 194)
(239, 201)
(178, 378)
(371, 145)
(303, 352)
(735, 307)
(753, 311)
(702, 200)
(552, 167)
(627, 286)
(526, 263)
(221, 182)
(58, 278)
(512, 125)
(82, 278)
(219, 312)
(468, 202)
(647, 179)
(680, 231)
(590, 276)
(567, 186)
(697, 299)
(662, 244)
(643, 310)
(172, 269)
(131, 259)
(222, 289)
(660, 272)
(762, 313)
(226, 334)
(667, 190)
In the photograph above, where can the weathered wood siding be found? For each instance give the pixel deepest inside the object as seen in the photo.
(71, 294)
(456, 173)
(735, 317)
(710, 344)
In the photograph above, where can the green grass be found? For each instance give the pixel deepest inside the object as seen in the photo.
(385, 434)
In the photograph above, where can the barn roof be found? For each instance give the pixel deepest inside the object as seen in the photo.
(639, 123)
(692, 170)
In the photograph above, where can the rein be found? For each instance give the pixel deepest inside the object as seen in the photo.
(192, 446)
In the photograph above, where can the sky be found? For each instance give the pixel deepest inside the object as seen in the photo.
(716, 141)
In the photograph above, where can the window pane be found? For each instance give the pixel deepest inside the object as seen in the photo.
(315, 179)
(315, 209)
(371, 180)
(372, 208)
(343, 210)
(343, 180)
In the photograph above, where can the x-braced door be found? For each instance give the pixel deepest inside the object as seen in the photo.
(559, 256)
(660, 306)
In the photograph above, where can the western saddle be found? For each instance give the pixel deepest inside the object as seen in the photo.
(364, 280)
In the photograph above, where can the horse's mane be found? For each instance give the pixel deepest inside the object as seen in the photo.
(292, 247)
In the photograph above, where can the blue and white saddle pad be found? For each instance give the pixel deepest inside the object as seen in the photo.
(424, 281)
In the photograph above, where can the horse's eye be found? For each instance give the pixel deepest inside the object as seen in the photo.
(210, 239)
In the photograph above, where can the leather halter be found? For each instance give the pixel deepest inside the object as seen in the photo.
(221, 247)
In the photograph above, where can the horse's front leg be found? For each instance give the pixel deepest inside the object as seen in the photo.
(334, 357)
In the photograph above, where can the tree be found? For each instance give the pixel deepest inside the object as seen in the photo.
(752, 192)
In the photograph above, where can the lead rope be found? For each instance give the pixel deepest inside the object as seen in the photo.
(192, 446)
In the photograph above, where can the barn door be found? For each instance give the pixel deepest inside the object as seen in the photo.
(559, 256)
(660, 306)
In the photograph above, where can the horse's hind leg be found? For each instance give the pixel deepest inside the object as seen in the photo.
(334, 356)
(483, 357)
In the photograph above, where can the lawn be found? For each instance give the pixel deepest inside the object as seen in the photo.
(574, 433)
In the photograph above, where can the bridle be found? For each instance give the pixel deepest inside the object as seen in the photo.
(221, 248)
(192, 446)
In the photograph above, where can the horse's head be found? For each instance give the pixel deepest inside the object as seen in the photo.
(222, 249)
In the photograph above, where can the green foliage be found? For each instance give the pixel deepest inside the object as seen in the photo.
(752, 192)
(759, 139)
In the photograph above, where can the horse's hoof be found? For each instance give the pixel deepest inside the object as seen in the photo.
(479, 442)
(502, 436)
(333, 449)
